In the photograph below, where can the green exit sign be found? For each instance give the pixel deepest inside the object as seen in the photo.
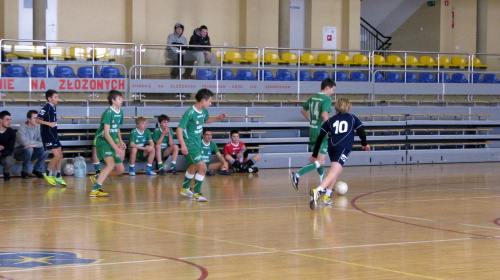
(431, 3)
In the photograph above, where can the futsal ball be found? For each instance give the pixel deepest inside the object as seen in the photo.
(341, 188)
(68, 169)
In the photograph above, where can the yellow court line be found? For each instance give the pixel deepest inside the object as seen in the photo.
(263, 248)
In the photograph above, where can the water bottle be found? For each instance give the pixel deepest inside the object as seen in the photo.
(241, 158)
(80, 167)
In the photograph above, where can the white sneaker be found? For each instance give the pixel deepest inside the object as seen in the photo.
(198, 197)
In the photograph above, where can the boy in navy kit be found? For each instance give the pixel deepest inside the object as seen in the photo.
(340, 129)
(47, 118)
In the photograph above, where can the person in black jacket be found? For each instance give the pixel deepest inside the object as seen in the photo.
(7, 142)
(199, 53)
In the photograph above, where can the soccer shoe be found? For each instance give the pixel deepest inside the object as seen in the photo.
(253, 169)
(326, 200)
(162, 171)
(98, 193)
(50, 179)
(226, 172)
(314, 198)
(131, 172)
(200, 198)
(173, 171)
(150, 172)
(186, 192)
(295, 180)
(60, 181)
(210, 173)
(93, 179)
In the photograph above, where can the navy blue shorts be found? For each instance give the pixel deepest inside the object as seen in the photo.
(338, 154)
(50, 144)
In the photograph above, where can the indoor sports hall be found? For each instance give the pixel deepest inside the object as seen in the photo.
(422, 77)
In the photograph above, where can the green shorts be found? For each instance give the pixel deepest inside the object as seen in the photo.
(324, 146)
(140, 155)
(194, 156)
(104, 150)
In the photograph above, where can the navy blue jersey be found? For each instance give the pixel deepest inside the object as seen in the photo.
(340, 129)
(48, 113)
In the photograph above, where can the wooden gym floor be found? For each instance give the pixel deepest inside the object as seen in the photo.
(396, 222)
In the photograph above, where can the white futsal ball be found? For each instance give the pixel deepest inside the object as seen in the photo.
(341, 188)
(68, 169)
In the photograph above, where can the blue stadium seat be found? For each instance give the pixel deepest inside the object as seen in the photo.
(458, 78)
(40, 71)
(491, 78)
(64, 72)
(321, 75)
(205, 74)
(245, 75)
(379, 77)
(411, 77)
(444, 78)
(426, 77)
(284, 75)
(304, 75)
(266, 75)
(393, 77)
(226, 74)
(358, 77)
(110, 72)
(86, 72)
(341, 76)
(16, 71)
(476, 78)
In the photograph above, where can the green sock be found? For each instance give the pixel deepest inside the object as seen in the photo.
(172, 165)
(308, 168)
(197, 186)
(321, 172)
(96, 186)
(97, 166)
(186, 183)
(160, 165)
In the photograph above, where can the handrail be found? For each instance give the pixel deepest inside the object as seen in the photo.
(384, 44)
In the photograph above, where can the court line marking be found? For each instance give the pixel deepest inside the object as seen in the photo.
(264, 248)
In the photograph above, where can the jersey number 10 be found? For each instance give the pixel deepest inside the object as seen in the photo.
(340, 127)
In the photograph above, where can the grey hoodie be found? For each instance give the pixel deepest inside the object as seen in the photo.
(177, 40)
(28, 136)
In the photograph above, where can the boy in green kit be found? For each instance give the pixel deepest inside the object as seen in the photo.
(164, 143)
(109, 144)
(189, 134)
(142, 146)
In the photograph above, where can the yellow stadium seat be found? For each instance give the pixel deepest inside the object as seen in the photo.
(103, 54)
(251, 57)
(233, 56)
(308, 58)
(345, 59)
(272, 57)
(428, 61)
(379, 60)
(326, 58)
(445, 61)
(413, 61)
(289, 57)
(360, 59)
(395, 60)
(459, 61)
(78, 53)
(56, 52)
(29, 51)
(478, 64)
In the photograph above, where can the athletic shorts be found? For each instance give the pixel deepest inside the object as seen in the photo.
(323, 148)
(104, 150)
(140, 155)
(193, 157)
(338, 154)
(50, 144)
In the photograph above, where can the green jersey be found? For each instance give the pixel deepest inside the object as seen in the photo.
(207, 150)
(157, 134)
(192, 127)
(315, 106)
(114, 120)
(141, 139)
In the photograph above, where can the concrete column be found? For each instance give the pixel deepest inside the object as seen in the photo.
(284, 24)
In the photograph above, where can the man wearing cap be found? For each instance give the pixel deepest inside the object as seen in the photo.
(173, 52)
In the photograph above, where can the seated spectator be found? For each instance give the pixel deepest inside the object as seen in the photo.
(200, 54)
(29, 146)
(236, 153)
(142, 146)
(164, 144)
(7, 142)
(173, 52)
(209, 148)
